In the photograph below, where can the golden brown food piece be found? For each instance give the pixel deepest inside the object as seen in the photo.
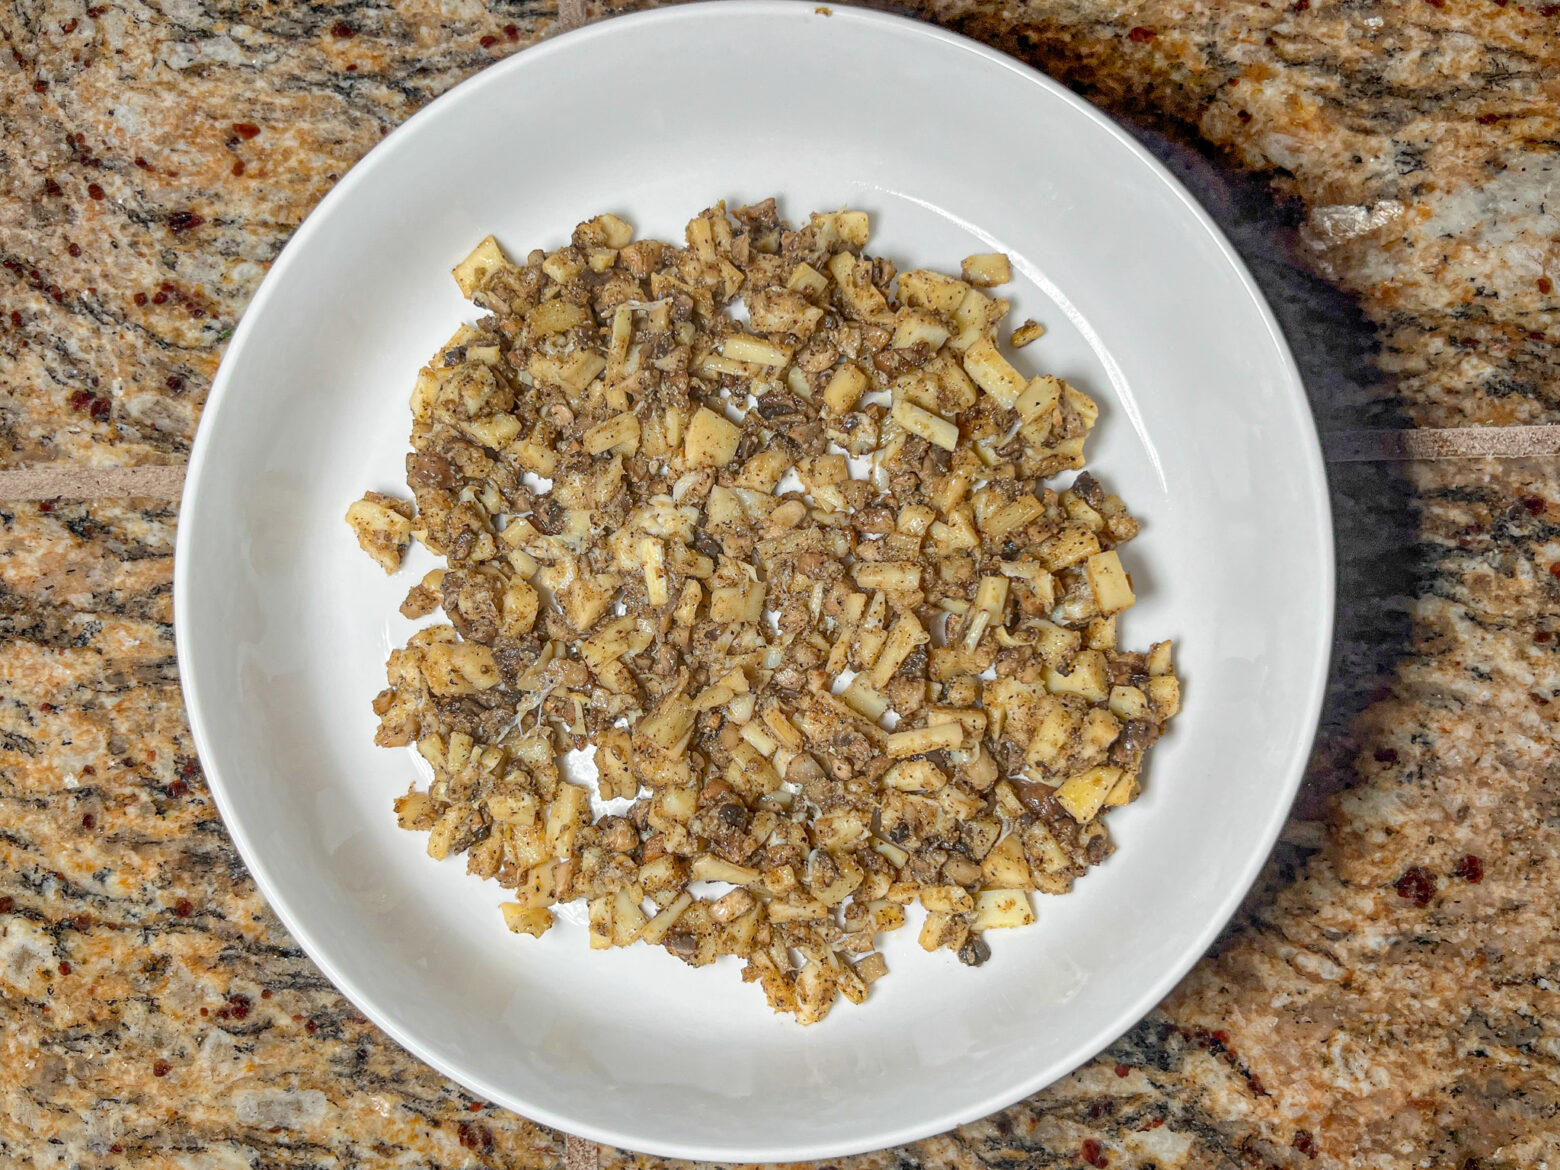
(799, 583)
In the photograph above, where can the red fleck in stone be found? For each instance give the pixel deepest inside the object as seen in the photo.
(311, 1027)
(1549, 10)
(177, 788)
(488, 42)
(89, 821)
(511, 32)
(180, 222)
(1386, 756)
(74, 249)
(1436, 3)
(100, 407)
(1155, 1123)
(159, 298)
(352, 68)
(142, 163)
(204, 1012)
(16, 318)
(95, 191)
(342, 31)
(1417, 885)
(1545, 285)
(238, 167)
(1142, 35)
(1554, 569)
(140, 298)
(39, 86)
(265, 994)
(1243, 115)
(474, 1107)
(47, 505)
(51, 187)
(1092, 1153)
(1123, 1069)
(7, 904)
(1300, 5)
(176, 383)
(1470, 869)
(1305, 1143)
(245, 129)
(161, 1068)
(69, 26)
(89, 770)
(183, 908)
(65, 967)
(239, 1005)
(1541, 636)
(197, 313)
(96, 11)
(1534, 504)
(80, 400)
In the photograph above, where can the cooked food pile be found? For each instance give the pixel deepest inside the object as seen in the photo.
(762, 524)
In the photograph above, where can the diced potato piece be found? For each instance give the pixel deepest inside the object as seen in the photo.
(1085, 676)
(918, 327)
(1069, 546)
(620, 432)
(573, 371)
(781, 311)
(947, 900)
(496, 431)
(712, 440)
(943, 931)
(975, 318)
(485, 259)
(733, 603)
(1039, 397)
(604, 231)
(807, 280)
(709, 868)
(744, 347)
(383, 529)
(985, 269)
(1112, 590)
(659, 926)
(915, 776)
(1006, 866)
(920, 740)
(1030, 331)
(1002, 909)
(1083, 794)
(933, 428)
(1128, 703)
(888, 575)
(847, 384)
(1159, 658)
(920, 288)
(1164, 692)
(551, 317)
(460, 668)
(601, 922)
(523, 920)
(628, 920)
(842, 227)
(993, 373)
(862, 698)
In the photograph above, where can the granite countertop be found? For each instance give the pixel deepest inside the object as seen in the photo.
(1386, 997)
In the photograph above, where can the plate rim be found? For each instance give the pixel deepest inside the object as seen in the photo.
(1312, 466)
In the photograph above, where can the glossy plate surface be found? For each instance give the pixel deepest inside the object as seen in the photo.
(283, 625)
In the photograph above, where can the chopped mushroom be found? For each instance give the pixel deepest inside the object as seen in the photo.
(798, 583)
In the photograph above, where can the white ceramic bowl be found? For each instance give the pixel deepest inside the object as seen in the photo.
(283, 625)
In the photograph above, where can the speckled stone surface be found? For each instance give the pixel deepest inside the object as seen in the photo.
(155, 156)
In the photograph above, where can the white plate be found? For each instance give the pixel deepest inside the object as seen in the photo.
(283, 625)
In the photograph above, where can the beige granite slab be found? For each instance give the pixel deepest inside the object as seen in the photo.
(152, 1011)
